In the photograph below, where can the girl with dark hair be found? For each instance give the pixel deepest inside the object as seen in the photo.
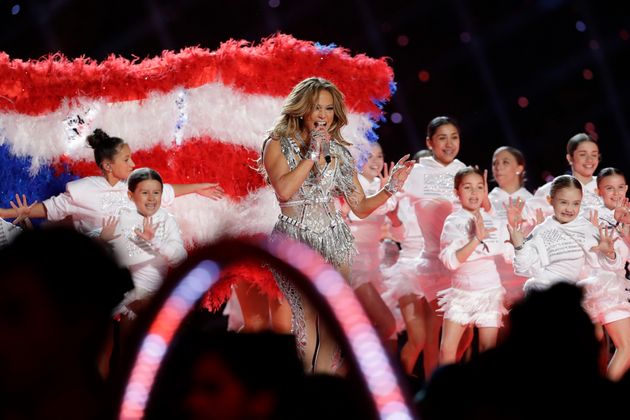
(92, 199)
(468, 247)
(565, 247)
(366, 277)
(402, 283)
(508, 170)
(430, 192)
(606, 295)
(583, 157)
(146, 239)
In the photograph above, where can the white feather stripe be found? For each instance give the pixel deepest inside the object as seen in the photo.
(38, 137)
(203, 221)
(214, 110)
(230, 115)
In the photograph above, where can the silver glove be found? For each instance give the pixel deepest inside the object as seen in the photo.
(394, 184)
(315, 145)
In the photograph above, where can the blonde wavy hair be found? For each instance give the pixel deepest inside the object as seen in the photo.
(301, 101)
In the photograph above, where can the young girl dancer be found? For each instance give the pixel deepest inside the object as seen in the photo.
(606, 297)
(92, 199)
(564, 247)
(430, 188)
(583, 157)
(402, 283)
(469, 245)
(146, 239)
(365, 276)
(508, 170)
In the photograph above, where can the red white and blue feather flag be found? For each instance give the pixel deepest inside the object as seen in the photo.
(194, 116)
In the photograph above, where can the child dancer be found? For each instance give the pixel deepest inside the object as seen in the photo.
(146, 239)
(606, 297)
(402, 283)
(365, 276)
(430, 188)
(508, 170)
(583, 156)
(564, 247)
(468, 248)
(88, 201)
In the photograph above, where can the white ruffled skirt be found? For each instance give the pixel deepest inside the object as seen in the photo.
(402, 279)
(481, 308)
(433, 277)
(606, 297)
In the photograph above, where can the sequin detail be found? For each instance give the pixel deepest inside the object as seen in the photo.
(438, 185)
(112, 201)
(135, 245)
(3, 239)
(310, 217)
(8, 232)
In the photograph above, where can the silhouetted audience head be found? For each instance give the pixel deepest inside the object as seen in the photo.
(211, 374)
(225, 375)
(57, 291)
(551, 328)
(546, 368)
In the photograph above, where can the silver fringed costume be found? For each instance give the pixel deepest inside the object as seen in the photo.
(310, 217)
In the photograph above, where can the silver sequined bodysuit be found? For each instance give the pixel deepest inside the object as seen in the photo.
(310, 217)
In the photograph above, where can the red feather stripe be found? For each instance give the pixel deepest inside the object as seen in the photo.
(271, 68)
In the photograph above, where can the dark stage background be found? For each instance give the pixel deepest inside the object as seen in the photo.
(523, 73)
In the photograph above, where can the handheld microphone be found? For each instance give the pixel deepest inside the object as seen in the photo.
(326, 143)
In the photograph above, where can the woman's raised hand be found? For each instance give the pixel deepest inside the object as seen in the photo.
(398, 175)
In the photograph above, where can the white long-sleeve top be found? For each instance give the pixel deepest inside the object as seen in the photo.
(91, 199)
(479, 270)
(557, 252)
(430, 188)
(590, 199)
(412, 241)
(606, 216)
(498, 198)
(367, 231)
(148, 261)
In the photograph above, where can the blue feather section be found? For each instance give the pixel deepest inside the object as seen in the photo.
(15, 178)
(325, 48)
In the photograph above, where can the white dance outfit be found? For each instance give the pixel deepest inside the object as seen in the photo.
(556, 252)
(402, 278)
(590, 199)
(91, 199)
(476, 294)
(430, 187)
(512, 282)
(148, 261)
(606, 292)
(367, 234)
